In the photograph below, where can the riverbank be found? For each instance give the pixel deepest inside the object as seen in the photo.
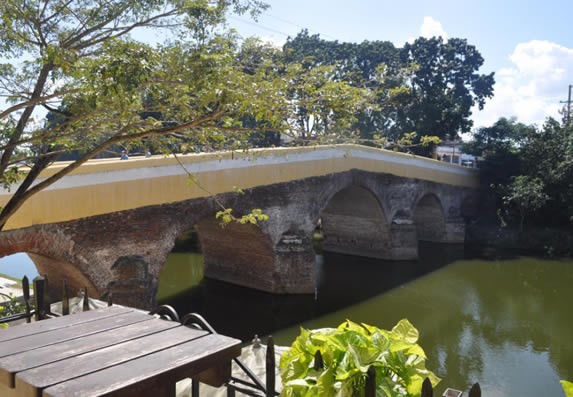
(492, 241)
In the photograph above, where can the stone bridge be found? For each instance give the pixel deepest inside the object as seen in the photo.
(111, 225)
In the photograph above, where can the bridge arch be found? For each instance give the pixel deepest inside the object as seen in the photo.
(429, 219)
(55, 254)
(354, 222)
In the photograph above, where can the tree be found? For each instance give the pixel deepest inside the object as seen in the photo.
(322, 108)
(548, 155)
(443, 87)
(76, 59)
(526, 194)
(500, 145)
(505, 135)
(428, 86)
(530, 169)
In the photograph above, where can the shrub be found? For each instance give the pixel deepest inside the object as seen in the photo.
(348, 352)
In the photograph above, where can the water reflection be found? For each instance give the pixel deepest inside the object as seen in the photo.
(505, 324)
(341, 281)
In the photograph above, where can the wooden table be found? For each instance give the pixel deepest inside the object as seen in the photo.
(115, 351)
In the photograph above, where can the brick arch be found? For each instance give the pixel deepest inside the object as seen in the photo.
(429, 218)
(54, 253)
(354, 222)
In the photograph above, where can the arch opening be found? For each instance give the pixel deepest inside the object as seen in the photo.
(183, 268)
(13, 268)
(18, 265)
(29, 264)
(354, 223)
(430, 220)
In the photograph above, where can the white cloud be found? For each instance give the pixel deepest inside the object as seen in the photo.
(532, 88)
(432, 27)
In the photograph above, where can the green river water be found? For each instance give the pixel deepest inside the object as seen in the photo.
(507, 324)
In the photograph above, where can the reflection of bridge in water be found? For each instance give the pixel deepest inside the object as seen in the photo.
(111, 224)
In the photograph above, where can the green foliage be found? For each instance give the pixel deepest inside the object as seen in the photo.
(567, 388)
(548, 155)
(503, 137)
(411, 140)
(444, 86)
(323, 108)
(428, 86)
(254, 217)
(348, 352)
(530, 169)
(2, 314)
(10, 307)
(104, 90)
(526, 193)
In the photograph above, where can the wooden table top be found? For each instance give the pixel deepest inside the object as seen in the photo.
(106, 352)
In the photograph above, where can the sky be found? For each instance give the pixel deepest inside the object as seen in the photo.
(528, 44)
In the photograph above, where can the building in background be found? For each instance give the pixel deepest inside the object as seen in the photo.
(451, 152)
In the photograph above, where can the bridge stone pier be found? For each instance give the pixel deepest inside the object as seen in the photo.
(366, 202)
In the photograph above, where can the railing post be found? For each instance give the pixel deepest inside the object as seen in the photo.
(26, 293)
(86, 305)
(65, 299)
(270, 380)
(47, 294)
(475, 391)
(194, 388)
(318, 362)
(427, 389)
(370, 387)
(39, 287)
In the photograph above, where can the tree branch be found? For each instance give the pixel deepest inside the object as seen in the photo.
(25, 117)
(36, 101)
(23, 194)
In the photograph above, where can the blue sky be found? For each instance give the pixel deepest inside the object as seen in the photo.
(528, 44)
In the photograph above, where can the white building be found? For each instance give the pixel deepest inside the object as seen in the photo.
(450, 152)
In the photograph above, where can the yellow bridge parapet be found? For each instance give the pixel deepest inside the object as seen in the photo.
(111, 185)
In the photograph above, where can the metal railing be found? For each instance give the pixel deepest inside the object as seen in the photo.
(252, 387)
(38, 308)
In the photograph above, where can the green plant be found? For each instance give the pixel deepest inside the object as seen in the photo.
(2, 325)
(9, 308)
(567, 388)
(348, 352)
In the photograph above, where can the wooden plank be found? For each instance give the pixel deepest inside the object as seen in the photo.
(60, 322)
(215, 376)
(10, 365)
(5, 391)
(30, 381)
(74, 331)
(167, 366)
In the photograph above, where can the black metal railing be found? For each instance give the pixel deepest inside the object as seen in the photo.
(251, 387)
(38, 308)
